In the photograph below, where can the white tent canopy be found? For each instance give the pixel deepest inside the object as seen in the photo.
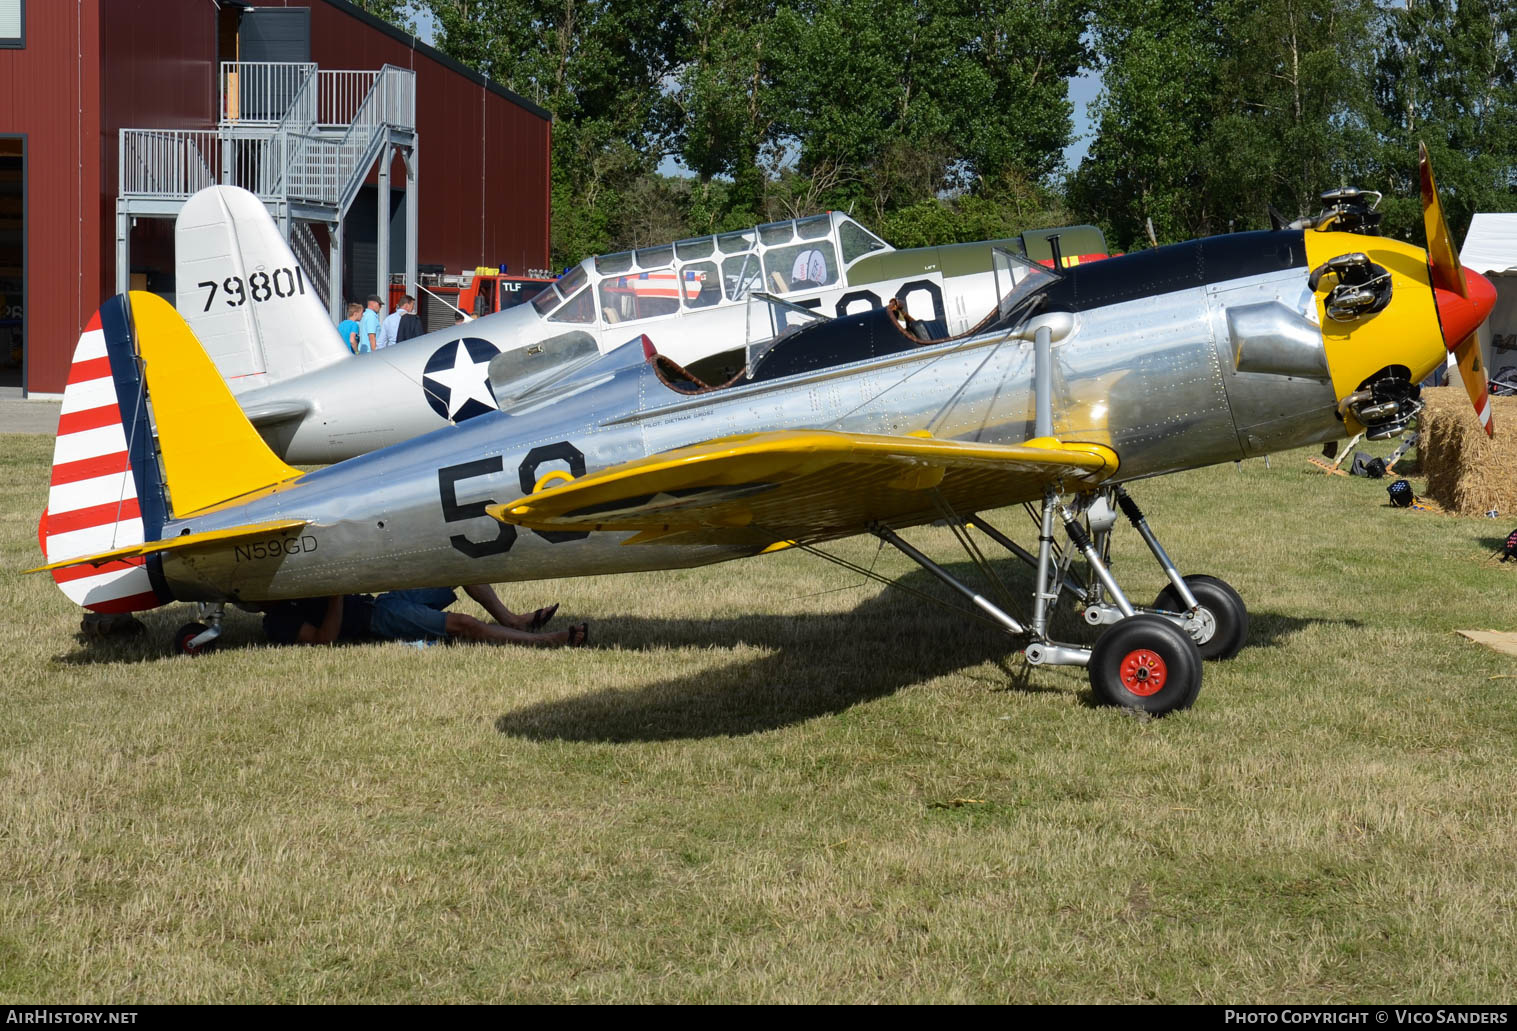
(1491, 243)
(1490, 248)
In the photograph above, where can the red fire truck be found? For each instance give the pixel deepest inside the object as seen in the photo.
(483, 291)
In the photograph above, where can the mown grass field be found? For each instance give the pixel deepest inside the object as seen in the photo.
(768, 781)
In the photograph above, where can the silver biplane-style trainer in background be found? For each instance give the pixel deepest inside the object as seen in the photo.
(1076, 382)
(704, 300)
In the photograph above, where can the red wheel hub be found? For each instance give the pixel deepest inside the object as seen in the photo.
(1143, 672)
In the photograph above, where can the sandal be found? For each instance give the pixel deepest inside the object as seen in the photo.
(579, 635)
(541, 616)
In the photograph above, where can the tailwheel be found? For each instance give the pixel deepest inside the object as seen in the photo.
(186, 634)
(1145, 662)
(1222, 626)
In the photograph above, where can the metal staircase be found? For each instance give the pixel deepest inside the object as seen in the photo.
(313, 259)
(302, 139)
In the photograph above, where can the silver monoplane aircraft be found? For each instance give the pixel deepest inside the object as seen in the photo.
(704, 300)
(1076, 383)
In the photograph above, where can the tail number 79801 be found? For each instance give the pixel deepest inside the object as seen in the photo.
(261, 286)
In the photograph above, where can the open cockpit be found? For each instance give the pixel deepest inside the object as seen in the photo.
(789, 350)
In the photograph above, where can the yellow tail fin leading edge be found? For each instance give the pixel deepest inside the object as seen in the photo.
(211, 453)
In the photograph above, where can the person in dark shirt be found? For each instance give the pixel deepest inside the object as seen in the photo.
(410, 326)
(418, 614)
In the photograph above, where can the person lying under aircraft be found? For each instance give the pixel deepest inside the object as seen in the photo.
(411, 615)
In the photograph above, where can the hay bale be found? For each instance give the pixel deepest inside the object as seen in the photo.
(1467, 472)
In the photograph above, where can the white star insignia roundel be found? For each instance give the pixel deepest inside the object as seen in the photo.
(456, 379)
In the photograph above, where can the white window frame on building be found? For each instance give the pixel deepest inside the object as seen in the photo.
(12, 24)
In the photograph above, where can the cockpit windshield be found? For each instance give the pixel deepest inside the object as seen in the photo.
(735, 243)
(547, 299)
(579, 308)
(771, 320)
(786, 258)
(1019, 280)
(572, 280)
(565, 286)
(857, 241)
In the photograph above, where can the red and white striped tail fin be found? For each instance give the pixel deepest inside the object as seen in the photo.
(94, 503)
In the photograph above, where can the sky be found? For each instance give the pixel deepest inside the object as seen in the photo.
(1082, 90)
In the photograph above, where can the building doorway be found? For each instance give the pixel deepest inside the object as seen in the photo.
(12, 262)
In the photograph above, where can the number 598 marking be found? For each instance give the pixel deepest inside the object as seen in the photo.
(505, 533)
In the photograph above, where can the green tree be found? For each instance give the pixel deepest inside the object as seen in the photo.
(1446, 75)
(1213, 110)
(1160, 65)
(940, 118)
(912, 99)
(599, 66)
(1294, 113)
(721, 109)
(871, 106)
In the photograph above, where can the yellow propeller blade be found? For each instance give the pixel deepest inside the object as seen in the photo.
(1447, 272)
(1472, 371)
(1448, 275)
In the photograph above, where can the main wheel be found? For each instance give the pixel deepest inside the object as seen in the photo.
(187, 633)
(1224, 618)
(1145, 662)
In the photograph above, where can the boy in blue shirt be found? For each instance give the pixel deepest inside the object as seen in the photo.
(348, 327)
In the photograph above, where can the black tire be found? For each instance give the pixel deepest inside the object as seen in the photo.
(1228, 615)
(1145, 662)
(185, 634)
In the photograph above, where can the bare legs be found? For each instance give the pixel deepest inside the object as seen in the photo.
(488, 600)
(509, 627)
(468, 628)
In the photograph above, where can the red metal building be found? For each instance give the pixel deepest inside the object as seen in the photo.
(74, 73)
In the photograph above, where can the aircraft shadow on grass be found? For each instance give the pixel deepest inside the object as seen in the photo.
(1274, 629)
(813, 664)
(821, 665)
(816, 663)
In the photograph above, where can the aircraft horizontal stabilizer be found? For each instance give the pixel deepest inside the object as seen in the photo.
(185, 542)
(761, 488)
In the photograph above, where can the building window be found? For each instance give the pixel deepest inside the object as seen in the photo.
(12, 24)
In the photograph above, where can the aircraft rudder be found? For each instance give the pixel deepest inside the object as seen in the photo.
(104, 490)
(252, 305)
(210, 451)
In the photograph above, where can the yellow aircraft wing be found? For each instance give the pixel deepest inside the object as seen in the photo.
(808, 485)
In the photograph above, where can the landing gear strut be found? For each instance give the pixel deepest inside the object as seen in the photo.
(1145, 659)
(1214, 614)
(200, 637)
